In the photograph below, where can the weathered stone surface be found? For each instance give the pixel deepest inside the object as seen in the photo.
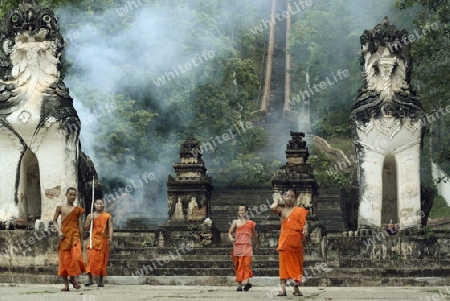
(297, 174)
(39, 127)
(356, 260)
(189, 192)
(195, 234)
(189, 203)
(28, 248)
(387, 131)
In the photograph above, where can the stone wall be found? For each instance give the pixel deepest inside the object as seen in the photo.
(381, 247)
(28, 248)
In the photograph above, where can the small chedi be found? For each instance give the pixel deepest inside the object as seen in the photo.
(39, 127)
(387, 131)
(189, 202)
(298, 174)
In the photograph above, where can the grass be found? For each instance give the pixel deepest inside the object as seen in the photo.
(345, 144)
(439, 208)
(313, 296)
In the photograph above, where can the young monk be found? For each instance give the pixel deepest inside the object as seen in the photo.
(102, 233)
(294, 229)
(70, 245)
(242, 247)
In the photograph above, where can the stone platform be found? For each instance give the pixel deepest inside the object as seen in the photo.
(337, 261)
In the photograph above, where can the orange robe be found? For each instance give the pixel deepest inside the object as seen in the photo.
(69, 250)
(290, 247)
(243, 252)
(97, 257)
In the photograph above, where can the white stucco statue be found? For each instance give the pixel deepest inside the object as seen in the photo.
(39, 127)
(387, 131)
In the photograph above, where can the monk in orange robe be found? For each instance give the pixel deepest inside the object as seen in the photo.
(102, 232)
(70, 246)
(243, 248)
(294, 230)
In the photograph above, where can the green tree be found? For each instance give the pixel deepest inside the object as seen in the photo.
(432, 66)
(324, 39)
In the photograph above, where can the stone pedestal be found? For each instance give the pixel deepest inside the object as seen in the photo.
(177, 234)
(40, 148)
(387, 131)
(297, 174)
(189, 201)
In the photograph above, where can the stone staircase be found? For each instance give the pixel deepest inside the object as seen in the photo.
(276, 136)
(349, 261)
(225, 203)
(329, 211)
(130, 257)
(135, 250)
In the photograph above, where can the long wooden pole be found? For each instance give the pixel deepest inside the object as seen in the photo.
(92, 214)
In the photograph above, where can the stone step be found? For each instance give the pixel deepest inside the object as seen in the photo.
(208, 271)
(334, 276)
(320, 280)
(187, 264)
(206, 252)
(329, 207)
(394, 264)
(227, 213)
(324, 199)
(232, 209)
(267, 271)
(387, 272)
(308, 256)
(324, 214)
(189, 257)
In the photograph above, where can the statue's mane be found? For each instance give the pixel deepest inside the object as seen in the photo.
(30, 61)
(387, 35)
(385, 47)
(29, 17)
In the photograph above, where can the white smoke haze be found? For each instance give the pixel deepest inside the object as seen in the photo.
(116, 53)
(325, 38)
(120, 54)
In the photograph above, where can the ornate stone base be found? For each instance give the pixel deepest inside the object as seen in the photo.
(192, 233)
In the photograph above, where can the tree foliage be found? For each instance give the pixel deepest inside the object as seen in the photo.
(117, 52)
(432, 71)
(325, 39)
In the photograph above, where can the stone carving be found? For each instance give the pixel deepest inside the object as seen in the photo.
(171, 205)
(34, 107)
(297, 173)
(371, 193)
(386, 128)
(189, 201)
(190, 186)
(179, 214)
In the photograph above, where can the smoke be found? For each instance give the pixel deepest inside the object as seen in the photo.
(324, 39)
(139, 53)
(135, 51)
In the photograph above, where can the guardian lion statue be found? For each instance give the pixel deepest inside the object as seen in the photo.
(40, 153)
(387, 131)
